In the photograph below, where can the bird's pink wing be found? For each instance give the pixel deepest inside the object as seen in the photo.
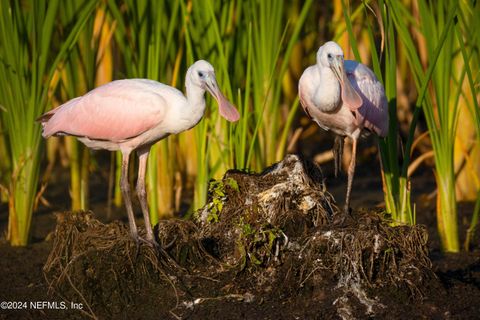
(373, 113)
(305, 88)
(116, 111)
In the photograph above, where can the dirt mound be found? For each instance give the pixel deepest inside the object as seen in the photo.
(269, 237)
(100, 266)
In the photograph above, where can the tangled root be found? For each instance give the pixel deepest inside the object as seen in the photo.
(98, 263)
(259, 210)
(370, 253)
(180, 239)
(257, 233)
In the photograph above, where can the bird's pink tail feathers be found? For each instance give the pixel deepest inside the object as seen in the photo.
(49, 127)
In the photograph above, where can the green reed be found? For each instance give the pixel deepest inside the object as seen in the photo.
(469, 30)
(252, 40)
(438, 98)
(5, 166)
(27, 64)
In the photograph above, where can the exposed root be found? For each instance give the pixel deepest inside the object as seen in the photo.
(369, 255)
(180, 239)
(95, 263)
(258, 234)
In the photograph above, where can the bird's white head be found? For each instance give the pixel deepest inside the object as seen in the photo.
(329, 52)
(330, 56)
(202, 75)
(199, 72)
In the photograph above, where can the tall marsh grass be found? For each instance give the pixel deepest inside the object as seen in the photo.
(250, 46)
(434, 39)
(259, 49)
(443, 30)
(27, 64)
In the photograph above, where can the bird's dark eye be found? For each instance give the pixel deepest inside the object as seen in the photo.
(329, 56)
(200, 74)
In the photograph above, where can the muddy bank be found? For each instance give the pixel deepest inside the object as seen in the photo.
(269, 245)
(454, 293)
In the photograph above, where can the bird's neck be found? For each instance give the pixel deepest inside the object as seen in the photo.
(327, 95)
(195, 103)
(327, 74)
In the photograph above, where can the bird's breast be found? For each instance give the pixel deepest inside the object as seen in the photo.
(327, 97)
(342, 122)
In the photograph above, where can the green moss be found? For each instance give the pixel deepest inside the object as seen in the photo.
(218, 195)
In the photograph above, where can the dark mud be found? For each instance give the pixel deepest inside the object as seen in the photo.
(265, 247)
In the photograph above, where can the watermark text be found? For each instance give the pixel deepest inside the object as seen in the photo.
(40, 305)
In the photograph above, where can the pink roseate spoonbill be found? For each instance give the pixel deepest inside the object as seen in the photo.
(133, 114)
(343, 96)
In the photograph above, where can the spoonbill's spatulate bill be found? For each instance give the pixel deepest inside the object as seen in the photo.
(133, 114)
(343, 96)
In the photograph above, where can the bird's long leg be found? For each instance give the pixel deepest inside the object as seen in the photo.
(141, 192)
(125, 187)
(351, 172)
(338, 153)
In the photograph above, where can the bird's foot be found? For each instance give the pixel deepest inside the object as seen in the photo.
(149, 242)
(153, 244)
(342, 217)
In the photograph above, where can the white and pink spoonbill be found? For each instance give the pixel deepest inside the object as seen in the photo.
(343, 96)
(133, 114)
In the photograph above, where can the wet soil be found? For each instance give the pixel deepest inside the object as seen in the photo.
(193, 285)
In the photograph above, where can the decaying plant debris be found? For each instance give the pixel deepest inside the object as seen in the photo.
(260, 236)
(95, 263)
